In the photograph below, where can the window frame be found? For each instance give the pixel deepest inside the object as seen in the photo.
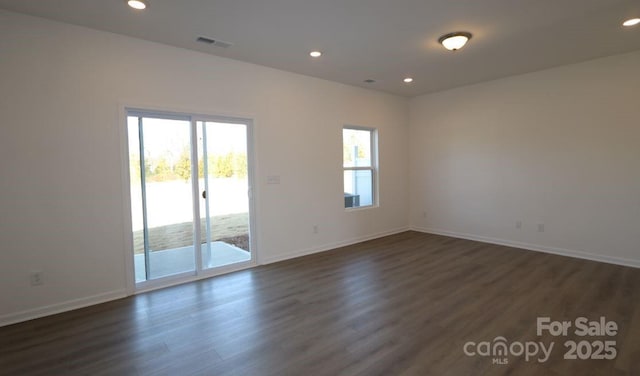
(373, 167)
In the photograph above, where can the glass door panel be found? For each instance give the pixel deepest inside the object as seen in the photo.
(161, 196)
(224, 193)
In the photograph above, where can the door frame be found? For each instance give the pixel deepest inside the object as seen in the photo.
(199, 272)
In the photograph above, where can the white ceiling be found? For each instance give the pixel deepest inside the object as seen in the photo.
(385, 40)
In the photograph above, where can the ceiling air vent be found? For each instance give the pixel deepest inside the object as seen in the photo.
(217, 43)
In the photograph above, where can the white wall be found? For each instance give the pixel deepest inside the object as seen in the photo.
(61, 199)
(559, 147)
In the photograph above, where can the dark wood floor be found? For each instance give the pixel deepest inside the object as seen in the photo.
(401, 305)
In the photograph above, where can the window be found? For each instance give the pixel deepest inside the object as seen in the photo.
(359, 165)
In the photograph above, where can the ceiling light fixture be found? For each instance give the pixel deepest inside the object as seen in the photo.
(137, 4)
(631, 22)
(315, 53)
(454, 41)
(408, 80)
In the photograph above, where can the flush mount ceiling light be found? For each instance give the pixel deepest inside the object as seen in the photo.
(454, 41)
(631, 22)
(315, 53)
(137, 4)
(408, 80)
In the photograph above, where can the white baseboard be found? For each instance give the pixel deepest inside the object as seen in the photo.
(53, 309)
(330, 246)
(105, 297)
(534, 247)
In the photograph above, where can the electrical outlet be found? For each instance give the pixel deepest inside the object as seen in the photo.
(424, 214)
(518, 224)
(36, 278)
(315, 229)
(540, 227)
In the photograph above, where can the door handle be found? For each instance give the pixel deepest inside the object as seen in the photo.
(204, 194)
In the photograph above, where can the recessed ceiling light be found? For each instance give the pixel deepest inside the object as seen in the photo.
(631, 22)
(408, 80)
(369, 81)
(315, 53)
(454, 41)
(137, 4)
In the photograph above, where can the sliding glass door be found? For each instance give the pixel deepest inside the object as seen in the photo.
(224, 205)
(182, 168)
